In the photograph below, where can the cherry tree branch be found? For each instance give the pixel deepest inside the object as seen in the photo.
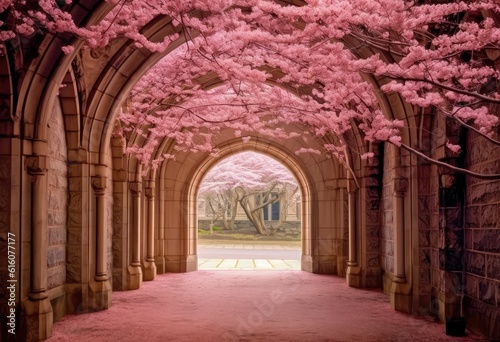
(448, 166)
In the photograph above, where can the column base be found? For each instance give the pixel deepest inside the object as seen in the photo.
(99, 295)
(325, 264)
(341, 266)
(191, 263)
(353, 276)
(306, 263)
(160, 264)
(401, 297)
(149, 271)
(181, 263)
(37, 321)
(134, 277)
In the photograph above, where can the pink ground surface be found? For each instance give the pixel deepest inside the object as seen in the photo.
(249, 306)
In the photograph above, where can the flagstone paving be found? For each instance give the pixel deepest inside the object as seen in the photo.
(244, 263)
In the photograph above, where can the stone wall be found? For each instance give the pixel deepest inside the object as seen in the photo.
(57, 201)
(387, 224)
(482, 239)
(372, 213)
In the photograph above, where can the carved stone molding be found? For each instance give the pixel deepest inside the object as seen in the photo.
(135, 188)
(99, 184)
(149, 192)
(36, 165)
(400, 186)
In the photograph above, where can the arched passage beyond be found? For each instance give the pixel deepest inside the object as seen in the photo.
(270, 151)
(321, 181)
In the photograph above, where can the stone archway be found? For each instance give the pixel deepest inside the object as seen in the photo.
(324, 210)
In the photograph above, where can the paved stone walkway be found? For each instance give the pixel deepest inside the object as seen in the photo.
(247, 264)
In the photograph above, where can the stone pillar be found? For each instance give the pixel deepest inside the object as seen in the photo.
(38, 309)
(149, 264)
(160, 257)
(100, 288)
(400, 187)
(451, 248)
(353, 270)
(400, 290)
(134, 269)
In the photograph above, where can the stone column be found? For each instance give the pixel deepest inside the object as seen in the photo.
(400, 294)
(134, 270)
(353, 270)
(451, 248)
(160, 257)
(400, 187)
(38, 309)
(100, 294)
(149, 264)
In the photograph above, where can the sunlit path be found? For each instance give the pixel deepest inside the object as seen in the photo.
(244, 255)
(248, 264)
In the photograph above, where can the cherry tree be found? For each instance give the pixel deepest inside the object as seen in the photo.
(280, 63)
(251, 180)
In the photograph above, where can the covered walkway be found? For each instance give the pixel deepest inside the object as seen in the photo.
(249, 306)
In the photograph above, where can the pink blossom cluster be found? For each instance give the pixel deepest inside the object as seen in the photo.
(259, 65)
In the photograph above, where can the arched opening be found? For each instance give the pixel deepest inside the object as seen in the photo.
(280, 154)
(249, 215)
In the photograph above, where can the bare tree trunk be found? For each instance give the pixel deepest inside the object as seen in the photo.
(234, 211)
(252, 216)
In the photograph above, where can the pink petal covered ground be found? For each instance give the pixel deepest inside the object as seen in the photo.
(249, 306)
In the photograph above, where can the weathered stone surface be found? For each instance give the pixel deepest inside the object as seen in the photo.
(424, 257)
(387, 232)
(423, 238)
(490, 216)
(472, 217)
(493, 267)
(57, 236)
(74, 236)
(453, 217)
(484, 193)
(475, 263)
(373, 260)
(487, 240)
(488, 291)
(73, 273)
(454, 238)
(471, 286)
(388, 248)
(424, 221)
(75, 201)
(56, 256)
(373, 246)
(74, 254)
(56, 276)
(57, 200)
(389, 264)
(424, 276)
(56, 218)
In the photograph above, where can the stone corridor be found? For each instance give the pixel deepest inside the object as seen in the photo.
(394, 248)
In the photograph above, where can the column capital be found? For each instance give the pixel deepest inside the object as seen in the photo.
(352, 186)
(400, 186)
(36, 165)
(149, 192)
(98, 184)
(135, 188)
